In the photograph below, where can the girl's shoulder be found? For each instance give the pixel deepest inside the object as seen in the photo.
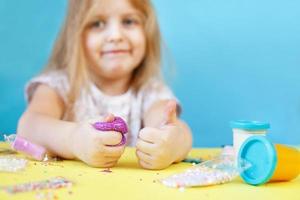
(55, 79)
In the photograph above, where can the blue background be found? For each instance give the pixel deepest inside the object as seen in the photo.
(233, 60)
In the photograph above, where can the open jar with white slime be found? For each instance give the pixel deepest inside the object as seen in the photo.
(243, 129)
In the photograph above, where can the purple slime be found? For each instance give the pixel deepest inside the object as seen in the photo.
(118, 125)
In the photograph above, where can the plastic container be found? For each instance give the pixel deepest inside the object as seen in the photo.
(243, 129)
(35, 151)
(270, 162)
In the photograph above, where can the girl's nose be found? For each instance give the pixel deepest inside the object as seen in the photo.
(115, 33)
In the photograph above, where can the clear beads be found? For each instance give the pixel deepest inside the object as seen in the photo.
(212, 172)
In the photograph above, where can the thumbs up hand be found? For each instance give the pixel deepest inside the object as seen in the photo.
(158, 147)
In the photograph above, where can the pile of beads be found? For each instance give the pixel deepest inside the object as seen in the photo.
(12, 164)
(217, 171)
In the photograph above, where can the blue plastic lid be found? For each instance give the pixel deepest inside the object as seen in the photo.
(261, 154)
(249, 125)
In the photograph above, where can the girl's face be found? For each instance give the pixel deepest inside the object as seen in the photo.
(114, 40)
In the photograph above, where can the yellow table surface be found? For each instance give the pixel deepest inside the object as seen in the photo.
(128, 181)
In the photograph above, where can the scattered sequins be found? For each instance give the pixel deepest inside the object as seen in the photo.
(12, 164)
(47, 163)
(54, 183)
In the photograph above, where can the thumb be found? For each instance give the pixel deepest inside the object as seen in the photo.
(171, 112)
(109, 117)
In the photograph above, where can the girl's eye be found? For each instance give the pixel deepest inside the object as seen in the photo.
(130, 22)
(98, 24)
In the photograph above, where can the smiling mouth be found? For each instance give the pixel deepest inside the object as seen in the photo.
(115, 52)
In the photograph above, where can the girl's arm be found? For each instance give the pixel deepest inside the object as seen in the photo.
(165, 138)
(41, 123)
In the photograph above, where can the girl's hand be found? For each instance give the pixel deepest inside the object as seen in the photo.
(90, 145)
(157, 148)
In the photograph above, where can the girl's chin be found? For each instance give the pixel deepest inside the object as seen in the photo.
(114, 69)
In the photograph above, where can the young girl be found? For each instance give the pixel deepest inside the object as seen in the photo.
(106, 60)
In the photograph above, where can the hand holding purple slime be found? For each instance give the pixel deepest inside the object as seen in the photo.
(118, 124)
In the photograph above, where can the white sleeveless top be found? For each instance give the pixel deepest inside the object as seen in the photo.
(130, 106)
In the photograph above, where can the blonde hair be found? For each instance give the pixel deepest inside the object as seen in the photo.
(68, 52)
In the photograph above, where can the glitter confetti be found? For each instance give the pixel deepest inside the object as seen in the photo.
(51, 163)
(54, 183)
(12, 164)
